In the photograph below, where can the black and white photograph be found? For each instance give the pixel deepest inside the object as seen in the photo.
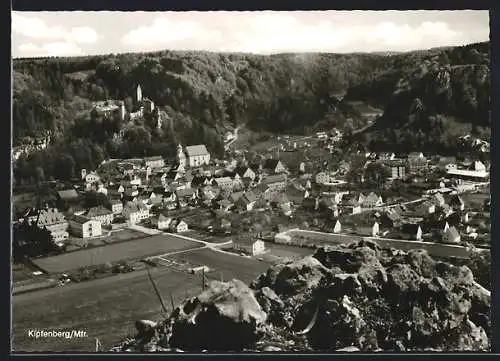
(251, 181)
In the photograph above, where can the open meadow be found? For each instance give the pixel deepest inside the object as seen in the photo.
(134, 249)
(106, 308)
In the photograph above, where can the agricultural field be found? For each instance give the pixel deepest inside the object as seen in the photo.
(135, 249)
(285, 251)
(223, 265)
(107, 308)
(123, 235)
(22, 273)
(475, 200)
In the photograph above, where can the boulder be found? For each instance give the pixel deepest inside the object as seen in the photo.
(401, 279)
(339, 324)
(420, 262)
(225, 317)
(294, 277)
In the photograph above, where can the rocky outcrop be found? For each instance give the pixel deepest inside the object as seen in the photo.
(347, 298)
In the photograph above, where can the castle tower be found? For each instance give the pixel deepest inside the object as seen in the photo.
(122, 111)
(158, 120)
(139, 94)
(181, 157)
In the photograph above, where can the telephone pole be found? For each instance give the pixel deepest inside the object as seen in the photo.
(203, 278)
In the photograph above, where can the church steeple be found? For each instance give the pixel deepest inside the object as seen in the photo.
(181, 157)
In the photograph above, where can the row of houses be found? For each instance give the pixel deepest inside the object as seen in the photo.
(348, 203)
(413, 231)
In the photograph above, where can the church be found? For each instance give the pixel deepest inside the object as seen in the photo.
(193, 156)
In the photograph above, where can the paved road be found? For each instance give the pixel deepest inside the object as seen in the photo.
(434, 249)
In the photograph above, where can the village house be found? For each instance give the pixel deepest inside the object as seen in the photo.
(412, 230)
(116, 206)
(224, 183)
(351, 209)
(84, 227)
(249, 246)
(67, 197)
(195, 155)
(92, 177)
(390, 219)
(185, 196)
(451, 235)
(332, 226)
(102, 189)
(135, 212)
(54, 221)
(416, 162)
(161, 222)
(385, 156)
(276, 182)
(367, 230)
(246, 201)
(479, 166)
(372, 200)
(397, 170)
(178, 226)
(101, 214)
(424, 209)
(154, 162)
(274, 166)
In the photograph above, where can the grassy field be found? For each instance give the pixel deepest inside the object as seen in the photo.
(135, 249)
(475, 201)
(22, 273)
(124, 235)
(285, 251)
(223, 265)
(107, 308)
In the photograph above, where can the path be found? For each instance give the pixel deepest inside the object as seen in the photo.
(434, 249)
(235, 138)
(150, 231)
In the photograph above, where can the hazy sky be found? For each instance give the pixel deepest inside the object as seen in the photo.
(86, 32)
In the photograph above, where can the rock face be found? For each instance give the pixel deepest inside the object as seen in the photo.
(351, 297)
(226, 316)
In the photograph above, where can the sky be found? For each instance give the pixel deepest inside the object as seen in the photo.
(77, 33)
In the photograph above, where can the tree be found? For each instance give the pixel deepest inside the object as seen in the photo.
(377, 173)
(95, 199)
(64, 167)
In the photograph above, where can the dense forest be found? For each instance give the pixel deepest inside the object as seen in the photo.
(430, 99)
(199, 94)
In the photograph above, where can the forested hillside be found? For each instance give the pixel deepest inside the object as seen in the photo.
(430, 99)
(199, 94)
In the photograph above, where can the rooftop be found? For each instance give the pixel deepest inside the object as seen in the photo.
(98, 211)
(68, 194)
(468, 173)
(195, 150)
